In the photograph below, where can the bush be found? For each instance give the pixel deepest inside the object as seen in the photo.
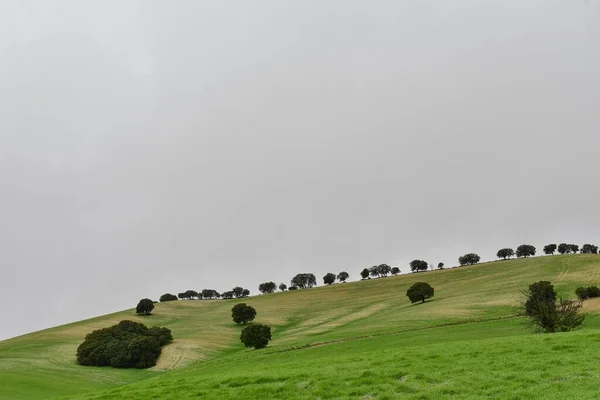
(125, 345)
(584, 293)
(545, 314)
(256, 335)
(144, 307)
(242, 313)
(167, 297)
(420, 291)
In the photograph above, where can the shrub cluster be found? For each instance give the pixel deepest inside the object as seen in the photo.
(127, 344)
(587, 292)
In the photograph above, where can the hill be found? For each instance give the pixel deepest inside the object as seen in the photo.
(359, 340)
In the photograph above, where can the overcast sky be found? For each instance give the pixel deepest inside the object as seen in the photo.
(158, 146)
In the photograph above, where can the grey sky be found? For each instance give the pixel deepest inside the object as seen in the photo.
(150, 147)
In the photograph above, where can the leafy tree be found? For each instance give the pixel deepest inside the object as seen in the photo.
(181, 296)
(419, 292)
(267, 287)
(127, 344)
(418, 265)
(329, 278)
(256, 335)
(144, 307)
(525, 250)
(227, 295)
(505, 253)
(545, 314)
(303, 281)
(242, 313)
(374, 271)
(564, 248)
(395, 270)
(293, 288)
(282, 287)
(342, 276)
(364, 273)
(469, 259)
(237, 291)
(209, 294)
(589, 249)
(384, 269)
(441, 265)
(167, 297)
(574, 248)
(245, 293)
(550, 248)
(588, 292)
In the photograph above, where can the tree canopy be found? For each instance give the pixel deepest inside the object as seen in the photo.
(282, 287)
(329, 278)
(304, 280)
(589, 249)
(550, 248)
(395, 270)
(127, 344)
(418, 265)
(144, 307)
(242, 313)
(419, 292)
(545, 314)
(525, 250)
(342, 276)
(469, 259)
(256, 335)
(365, 273)
(267, 287)
(505, 253)
(167, 297)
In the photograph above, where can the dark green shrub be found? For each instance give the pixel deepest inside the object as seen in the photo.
(144, 307)
(256, 335)
(242, 313)
(127, 344)
(545, 314)
(420, 291)
(167, 297)
(584, 293)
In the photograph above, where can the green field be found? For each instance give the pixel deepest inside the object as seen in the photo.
(354, 340)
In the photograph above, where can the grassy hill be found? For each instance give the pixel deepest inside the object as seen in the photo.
(354, 340)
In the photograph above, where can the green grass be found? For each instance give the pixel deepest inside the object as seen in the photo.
(354, 340)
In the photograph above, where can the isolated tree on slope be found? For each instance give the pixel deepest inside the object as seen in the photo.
(441, 265)
(256, 335)
(167, 297)
(505, 253)
(418, 265)
(395, 270)
(282, 287)
(342, 276)
(469, 259)
(525, 250)
(144, 307)
(242, 313)
(329, 278)
(267, 287)
(304, 280)
(419, 292)
(364, 273)
(550, 248)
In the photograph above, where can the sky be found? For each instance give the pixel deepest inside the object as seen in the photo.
(150, 146)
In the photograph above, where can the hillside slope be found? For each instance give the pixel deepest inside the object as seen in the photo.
(369, 316)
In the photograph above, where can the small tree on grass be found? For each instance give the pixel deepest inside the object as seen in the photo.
(525, 250)
(342, 276)
(589, 249)
(364, 273)
(242, 313)
(256, 335)
(167, 297)
(395, 270)
(550, 248)
(418, 265)
(574, 248)
(469, 259)
(564, 248)
(419, 292)
(505, 253)
(441, 265)
(144, 307)
(547, 315)
(267, 287)
(584, 293)
(329, 278)
(282, 287)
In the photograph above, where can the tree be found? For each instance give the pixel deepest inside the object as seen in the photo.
(303, 281)
(545, 314)
(256, 335)
(588, 292)
(505, 253)
(342, 276)
(227, 295)
(374, 271)
(419, 292)
(574, 248)
(282, 287)
(242, 313)
(564, 248)
(293, 288)
(418, 265)
(237, 291)
(364, 273)
(525, 250)
(245, 293)
(144, 307)
(469, 259)
(589, 249)
(395, 270)
(167, 297)
(209, 294)
(384, 269)
(127, 344)
(441, 265)
(329, 278)
(267, 287)
(550, 248)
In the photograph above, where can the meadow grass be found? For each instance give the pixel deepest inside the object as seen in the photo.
(354, 340)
